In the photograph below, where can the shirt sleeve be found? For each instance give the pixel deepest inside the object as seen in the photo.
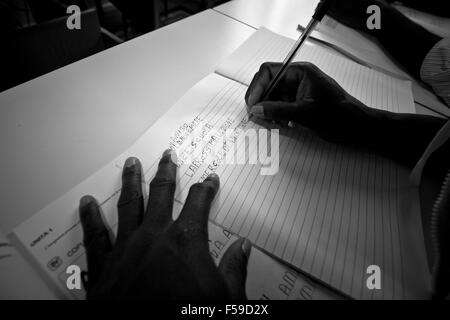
(435, 69)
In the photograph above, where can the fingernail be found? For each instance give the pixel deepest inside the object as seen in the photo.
(246, 247)
(131, 162)
(172, 154)
(251, 99)
(86, 200)
(212, 177)
(257, 110)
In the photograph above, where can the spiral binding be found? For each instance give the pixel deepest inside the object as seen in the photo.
(440, 239)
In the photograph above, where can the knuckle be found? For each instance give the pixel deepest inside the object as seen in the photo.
(185, 230)
(167, 159)
(265, 65)
(202, 188)
(131, 173)
(162, 181)
(129, 195)
(314, 68)
(197, 187)
(306, 65)
(308, 68)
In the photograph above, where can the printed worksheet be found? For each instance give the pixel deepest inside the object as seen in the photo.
(327, 210)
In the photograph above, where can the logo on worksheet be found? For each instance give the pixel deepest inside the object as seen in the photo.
(54, 263)
(203, 148)
(75, 249)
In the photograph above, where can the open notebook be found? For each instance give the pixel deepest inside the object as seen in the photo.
(330, 211)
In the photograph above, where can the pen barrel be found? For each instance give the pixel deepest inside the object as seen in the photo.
(319, 13)
(291, 55)
(299, 43)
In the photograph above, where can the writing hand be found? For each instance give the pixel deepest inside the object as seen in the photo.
(308, 97)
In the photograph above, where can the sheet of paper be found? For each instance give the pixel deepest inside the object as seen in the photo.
(369, 86)
(268, 279)
(18, 280)
(427, 98)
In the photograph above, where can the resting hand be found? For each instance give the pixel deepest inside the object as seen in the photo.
(154, 256)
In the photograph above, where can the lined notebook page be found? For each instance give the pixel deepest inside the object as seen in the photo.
(367, 85)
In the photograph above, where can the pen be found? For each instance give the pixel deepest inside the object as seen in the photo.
(319, 13)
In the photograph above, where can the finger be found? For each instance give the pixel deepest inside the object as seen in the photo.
(131, 203)
(96, 237)
(194, 216)
(260, 82)
(233, 267)
(250, 95)
(162, 189)
(281, 111)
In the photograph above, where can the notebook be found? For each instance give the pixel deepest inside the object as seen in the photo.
(325, 210)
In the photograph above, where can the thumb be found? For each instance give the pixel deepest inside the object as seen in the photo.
(233, 267)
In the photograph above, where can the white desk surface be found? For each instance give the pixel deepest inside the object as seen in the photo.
(58, 129)
(283, 16)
